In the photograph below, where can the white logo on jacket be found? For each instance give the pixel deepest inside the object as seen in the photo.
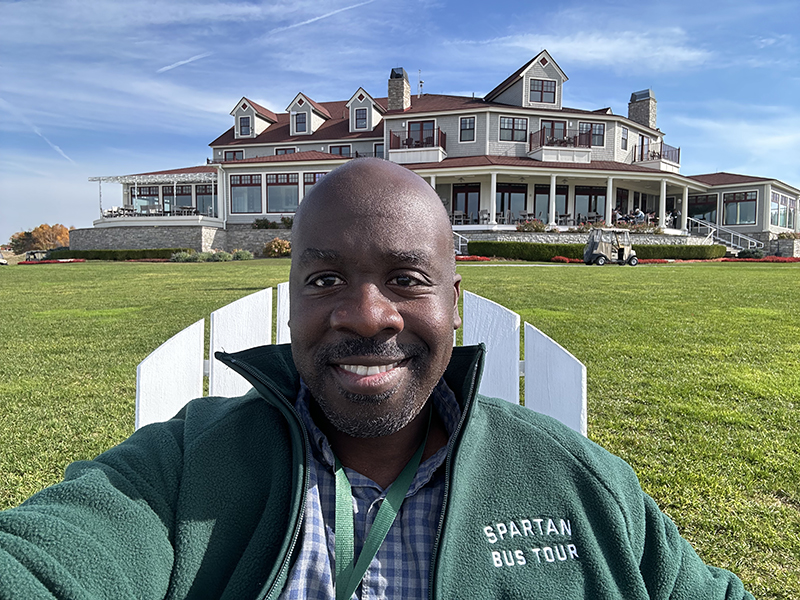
(552, 537)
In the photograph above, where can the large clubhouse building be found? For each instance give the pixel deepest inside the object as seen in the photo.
(516, 154)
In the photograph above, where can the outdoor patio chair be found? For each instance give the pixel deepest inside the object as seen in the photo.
(483, 216)
(458, 217)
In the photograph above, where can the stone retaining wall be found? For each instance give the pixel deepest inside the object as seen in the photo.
(576, 238)
(783, 248)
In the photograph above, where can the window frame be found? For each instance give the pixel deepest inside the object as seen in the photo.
(247, 180)
(591, 132)
(227, 153)
(242, 126)
(310, 180)
(624, 138)
(462, 129)
(285, 150)
(514, 130)
(356, 118)
(541, 92)
(296, 123)
(375, 150)
(285, 180)
(348, 146)
(748, 197)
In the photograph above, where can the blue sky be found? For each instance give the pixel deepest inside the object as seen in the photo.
(103, 87)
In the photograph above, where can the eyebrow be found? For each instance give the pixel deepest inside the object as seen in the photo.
(411, 258)
(312, 255)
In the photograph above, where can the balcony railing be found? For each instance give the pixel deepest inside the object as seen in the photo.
(563, 138)
(656, 151)
(430, 138)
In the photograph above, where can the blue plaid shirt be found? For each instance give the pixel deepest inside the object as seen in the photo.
(400, 569)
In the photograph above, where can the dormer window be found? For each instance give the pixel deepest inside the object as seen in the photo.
(300, 122)
(543, 90)
(361, 118)
(244, 125)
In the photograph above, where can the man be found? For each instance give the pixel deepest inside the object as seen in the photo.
(363, 462)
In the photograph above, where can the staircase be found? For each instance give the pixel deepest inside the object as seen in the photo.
(460, 243)
(732, 240)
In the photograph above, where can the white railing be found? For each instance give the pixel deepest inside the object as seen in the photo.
(460, 243)
(732, 239)
(554, 384)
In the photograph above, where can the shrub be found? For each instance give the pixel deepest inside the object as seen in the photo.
(277, 248)
(694, 252)
(242, 255)
(147, 253)
(265, 224)
(201, 257)
(789, 235)
(221, 256)
(534, 225)
(180, 257)
(751, 253)
(287, 222)
(525, 250)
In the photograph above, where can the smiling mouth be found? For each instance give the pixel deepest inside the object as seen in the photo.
(369, 369)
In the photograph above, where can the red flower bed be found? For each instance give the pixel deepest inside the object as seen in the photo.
(564, 259)
(51, 262)
(471, 258)
(157, 260)
(653, 261)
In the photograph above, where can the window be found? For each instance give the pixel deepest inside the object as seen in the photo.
(378, 150)
(739, 208)
(279, 151)
(543, 91)
(361, 118)
(554, 131)
(513, 129)
(420, 134)
(144, 197)
(703, 207)
(644, 148)
(310, 180)
(245, 193)
(183, 199)
(467, 129)
(300, 122)
(541, 201)
(466, 198)
(342, 150)
(511, 196)
(782, 210)
(234, 154)
(282, 192)
(207, 200)
(622, 200)
(244, 125)
(590, 199)
(596, 132)
(624, 138)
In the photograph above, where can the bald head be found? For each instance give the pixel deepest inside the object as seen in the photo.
(390, 194)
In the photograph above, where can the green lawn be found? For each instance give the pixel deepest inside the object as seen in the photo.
(694, 378)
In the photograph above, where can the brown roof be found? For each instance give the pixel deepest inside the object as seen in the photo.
(320, 109)
(337, 127)
(264, 112)
(198, 169)
(305, 155)
(511, 79)
(726, 178)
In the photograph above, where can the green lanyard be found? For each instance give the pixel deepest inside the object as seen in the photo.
(348, 574)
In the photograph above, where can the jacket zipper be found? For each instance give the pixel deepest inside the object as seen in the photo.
(450, 452)
(307, 446)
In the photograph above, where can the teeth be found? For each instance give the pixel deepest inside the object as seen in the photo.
(371, 370)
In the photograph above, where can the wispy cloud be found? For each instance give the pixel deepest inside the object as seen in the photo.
(184, 62)
(9, 108)
(319, 18)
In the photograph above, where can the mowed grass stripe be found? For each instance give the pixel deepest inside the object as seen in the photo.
(694, 378)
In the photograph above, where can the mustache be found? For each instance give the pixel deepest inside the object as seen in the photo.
(390, 350)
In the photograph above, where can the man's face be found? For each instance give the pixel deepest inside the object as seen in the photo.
(373, 308)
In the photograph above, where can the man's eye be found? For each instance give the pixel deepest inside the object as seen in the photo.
(324, 281)
(405, 281)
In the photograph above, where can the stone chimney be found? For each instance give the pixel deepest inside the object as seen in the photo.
(642, 108)
(399, 90)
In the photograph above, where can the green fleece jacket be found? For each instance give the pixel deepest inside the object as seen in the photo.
(210, 505)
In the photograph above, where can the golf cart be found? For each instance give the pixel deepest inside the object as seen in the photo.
(609, 245)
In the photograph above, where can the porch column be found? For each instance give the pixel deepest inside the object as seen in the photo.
(100, 197)
(609, 200)
(551, 205)
(684, 207)
(433, 182)
(493, 199)
(301, 192)
(662, 204)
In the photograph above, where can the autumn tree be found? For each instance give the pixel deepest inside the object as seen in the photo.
(44, 237)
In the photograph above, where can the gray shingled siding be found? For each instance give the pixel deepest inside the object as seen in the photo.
(452, 126)
(513, 95)
(538, 72)
(498, 148)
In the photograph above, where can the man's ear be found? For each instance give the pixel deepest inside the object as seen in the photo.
(456, 294)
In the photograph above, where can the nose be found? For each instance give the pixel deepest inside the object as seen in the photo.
(367, 312)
